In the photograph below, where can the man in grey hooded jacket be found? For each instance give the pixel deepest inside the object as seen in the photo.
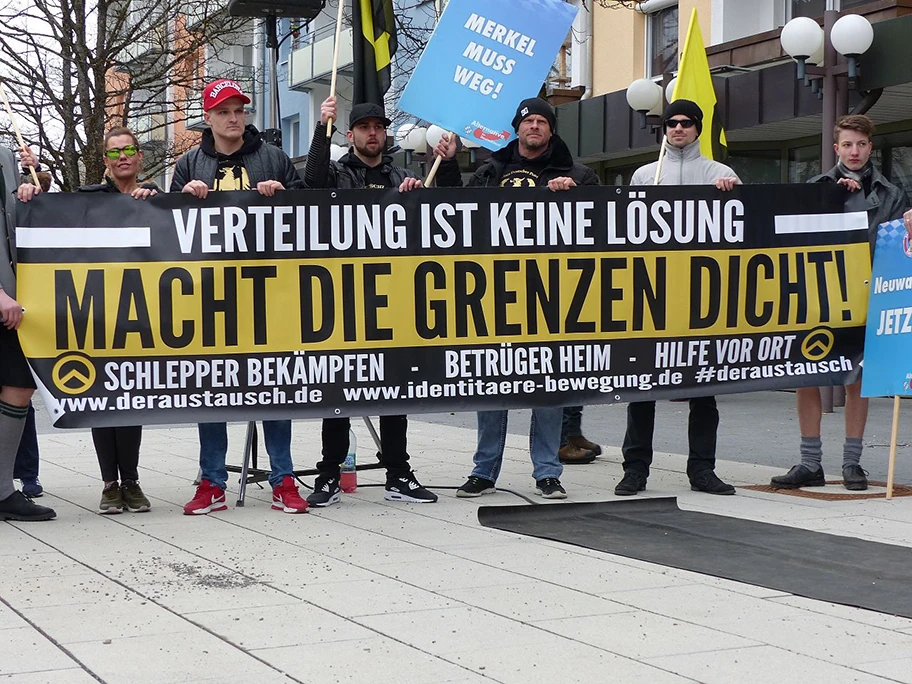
(683, 165)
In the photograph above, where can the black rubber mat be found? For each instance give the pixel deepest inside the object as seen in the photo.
(817, 565)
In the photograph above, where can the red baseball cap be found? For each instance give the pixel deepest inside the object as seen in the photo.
(218, 91)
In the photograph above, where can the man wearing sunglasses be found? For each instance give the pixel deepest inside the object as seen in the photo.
(16, 383)
(683, 165)
(233, 156)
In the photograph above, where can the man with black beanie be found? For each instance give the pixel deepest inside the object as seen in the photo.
(366, 165)
(683, 165)
(536, 158)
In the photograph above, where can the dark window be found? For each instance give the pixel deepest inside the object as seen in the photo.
(663, 41)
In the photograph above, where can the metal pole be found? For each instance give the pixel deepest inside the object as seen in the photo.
(827, 153)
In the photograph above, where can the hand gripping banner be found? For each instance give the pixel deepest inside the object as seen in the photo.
(326, 303)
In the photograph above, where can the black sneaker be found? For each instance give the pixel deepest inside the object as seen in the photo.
(854, 477)
(799, 476)
(326, 491)
(407, 488)
(17, 506)
(708, 482)
(550, 488)
(475, 486)
(630, 484)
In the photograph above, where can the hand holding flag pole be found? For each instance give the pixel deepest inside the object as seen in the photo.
(9, 111)
(655, 181)
(335, 66)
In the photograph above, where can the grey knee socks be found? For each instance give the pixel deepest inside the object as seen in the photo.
(811, 453)
(12, 422)
(851, 451)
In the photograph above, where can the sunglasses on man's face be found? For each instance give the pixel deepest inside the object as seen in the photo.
(114, 152)
(683, 123)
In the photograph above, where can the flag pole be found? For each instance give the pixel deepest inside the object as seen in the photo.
(335, 67)
(433, 172)
(9, 111)
(436, 166)
(655, 181)
(893, 437)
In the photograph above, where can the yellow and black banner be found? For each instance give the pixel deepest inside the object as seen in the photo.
(375, 44)
(324, 303)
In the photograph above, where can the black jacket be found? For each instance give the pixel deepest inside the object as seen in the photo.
(346, 174)
(561, 164)
(263, 162)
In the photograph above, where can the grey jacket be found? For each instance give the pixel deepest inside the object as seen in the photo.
(884, 203)
(9, 167)
(685, 166)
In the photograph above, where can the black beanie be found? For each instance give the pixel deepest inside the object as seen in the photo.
(689, 109)
(534, 105)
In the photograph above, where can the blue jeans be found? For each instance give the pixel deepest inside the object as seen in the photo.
(544, 436)
(214, 448)
(572, 424)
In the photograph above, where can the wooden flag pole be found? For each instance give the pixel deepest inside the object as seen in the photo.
(9, 110)
(893, 437)
(335, 68)
(655, 181)
(433, 172)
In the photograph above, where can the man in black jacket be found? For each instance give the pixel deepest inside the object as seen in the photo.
(366, 165)
(536, 158)
(233, 156)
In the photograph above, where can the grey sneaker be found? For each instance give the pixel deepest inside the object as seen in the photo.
(111, 500)
(133, 497)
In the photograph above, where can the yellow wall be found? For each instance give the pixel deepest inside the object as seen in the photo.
(619, 42)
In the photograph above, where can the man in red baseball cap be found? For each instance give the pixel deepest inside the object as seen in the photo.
(233, 156)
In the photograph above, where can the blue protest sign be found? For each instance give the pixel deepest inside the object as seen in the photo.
(888, 335)
(484, 58)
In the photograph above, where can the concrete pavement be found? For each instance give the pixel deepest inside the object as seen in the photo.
(375, 591)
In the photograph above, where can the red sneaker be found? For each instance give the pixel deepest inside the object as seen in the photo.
(285, 497)
(208, 498)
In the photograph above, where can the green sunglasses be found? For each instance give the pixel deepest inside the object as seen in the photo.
(114, 152)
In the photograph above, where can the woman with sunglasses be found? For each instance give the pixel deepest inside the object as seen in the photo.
(118, 447)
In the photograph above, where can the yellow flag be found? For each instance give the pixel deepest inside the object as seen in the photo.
(695, 84)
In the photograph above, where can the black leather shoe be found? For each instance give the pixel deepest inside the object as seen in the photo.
(630, 484)
(17, 506)
(854, 477)
(709, 482)
(799, 476)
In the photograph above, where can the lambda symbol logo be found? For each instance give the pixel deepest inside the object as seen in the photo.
(817, 344)
(73, 373)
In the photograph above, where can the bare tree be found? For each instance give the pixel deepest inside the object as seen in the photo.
(74, 68)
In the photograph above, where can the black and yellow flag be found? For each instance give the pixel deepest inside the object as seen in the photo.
(375, 44)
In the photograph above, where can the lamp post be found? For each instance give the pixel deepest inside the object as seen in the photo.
(831, 78)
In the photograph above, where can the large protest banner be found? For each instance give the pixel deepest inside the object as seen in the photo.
(322, 303)
(484, 58)
(888, 336)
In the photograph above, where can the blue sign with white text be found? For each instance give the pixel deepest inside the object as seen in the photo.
(484, 58)
(888, 336)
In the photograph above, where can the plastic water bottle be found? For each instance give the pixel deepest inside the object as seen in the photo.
(349, 476)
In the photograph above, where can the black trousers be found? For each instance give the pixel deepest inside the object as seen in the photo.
(393, 444)
(118, 452)
(702, 426)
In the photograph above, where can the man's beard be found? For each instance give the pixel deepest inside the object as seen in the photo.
(367, 153)
(536, 144)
